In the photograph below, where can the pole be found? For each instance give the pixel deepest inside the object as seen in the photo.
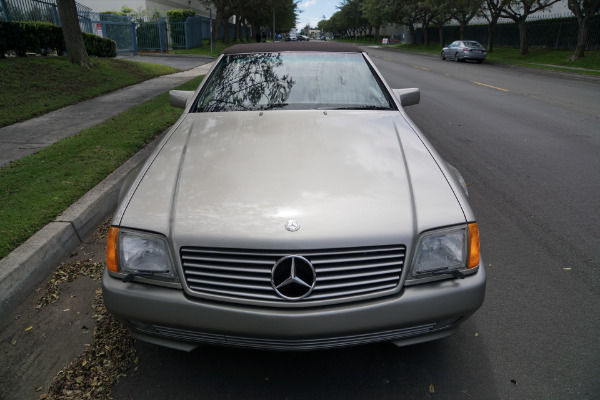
(273, 25)
(211, 44)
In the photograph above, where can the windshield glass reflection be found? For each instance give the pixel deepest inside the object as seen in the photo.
(247, 82)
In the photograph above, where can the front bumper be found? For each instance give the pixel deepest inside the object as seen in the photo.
(168, 317)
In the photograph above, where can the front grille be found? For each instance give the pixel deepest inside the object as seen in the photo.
(246, 274)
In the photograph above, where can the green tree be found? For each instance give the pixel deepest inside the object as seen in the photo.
(491, 11)
(376, 13)
(352, 17)
(427, 12)
(306, 30)
(257, 13)
(583, 10)
(518, 11)
(406, 13)
(443, 15)
(464, 11)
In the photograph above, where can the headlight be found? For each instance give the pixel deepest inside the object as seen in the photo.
(446, 251)
(139, 254)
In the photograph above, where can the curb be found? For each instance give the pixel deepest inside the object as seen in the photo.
(28, 266)
(142, 54)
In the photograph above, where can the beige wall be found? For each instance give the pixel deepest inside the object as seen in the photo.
(164, 5)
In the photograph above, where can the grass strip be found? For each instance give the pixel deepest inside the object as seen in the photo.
(537, 58)
(37, 188)
(204, 50)
(558, 60)
(37, 85)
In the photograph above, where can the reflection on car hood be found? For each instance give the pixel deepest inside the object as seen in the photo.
(350, 178)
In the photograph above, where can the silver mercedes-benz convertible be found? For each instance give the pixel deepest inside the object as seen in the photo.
(293, 206)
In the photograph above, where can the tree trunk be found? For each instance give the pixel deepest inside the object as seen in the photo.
(491, 32)
(582, 35)
(225, 22)
(411, 31)
(238, 24)
(523, 37)
(76, 52)
(377, 34)
(463, 26)
(217, 24)
(441, 33)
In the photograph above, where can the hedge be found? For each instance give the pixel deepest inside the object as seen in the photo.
(98, 46)
(179, 15)
(23, 37)
(177, 19)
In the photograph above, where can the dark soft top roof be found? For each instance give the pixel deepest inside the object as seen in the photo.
(292, 46)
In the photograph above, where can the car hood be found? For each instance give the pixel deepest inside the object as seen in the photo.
(349, 178)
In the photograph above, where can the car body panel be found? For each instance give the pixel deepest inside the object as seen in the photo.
(347, 169)
(435, 303)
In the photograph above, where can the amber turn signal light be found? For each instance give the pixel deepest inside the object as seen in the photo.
(473, 245)
(111, 250)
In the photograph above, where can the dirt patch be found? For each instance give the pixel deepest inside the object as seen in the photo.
(92, 374)
(61, 343)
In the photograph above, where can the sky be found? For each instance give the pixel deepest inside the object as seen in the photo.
(313, 11)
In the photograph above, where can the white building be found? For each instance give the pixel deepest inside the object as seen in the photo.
(161, 5)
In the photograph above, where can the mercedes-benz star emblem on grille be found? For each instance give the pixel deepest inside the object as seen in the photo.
(293, 277)
(292, 225)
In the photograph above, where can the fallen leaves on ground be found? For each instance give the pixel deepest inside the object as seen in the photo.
(92, 374)
(67, 273)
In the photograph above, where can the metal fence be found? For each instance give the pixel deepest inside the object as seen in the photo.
(130, 36)
(41, 11)
(557, 32)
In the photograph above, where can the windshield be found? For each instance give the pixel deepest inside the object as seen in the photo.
(473, 44)
(300, 81)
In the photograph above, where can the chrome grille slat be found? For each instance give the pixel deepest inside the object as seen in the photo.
(245, 274)
(354, 267)
(283, 253)
(250, 295)
(317, 296)
(320, 261)
(239, 277)
(354, 283)
(230, 268)
(357, 275)
(229, 284)
(229, 260)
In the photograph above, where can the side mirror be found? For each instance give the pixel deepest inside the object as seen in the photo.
(408, 97)
(179, 98)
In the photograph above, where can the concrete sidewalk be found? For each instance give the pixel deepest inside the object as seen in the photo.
(24, 269)
(23, 138)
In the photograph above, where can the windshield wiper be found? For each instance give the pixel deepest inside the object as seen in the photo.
(272, 106)
(142, 272)
(356, 108)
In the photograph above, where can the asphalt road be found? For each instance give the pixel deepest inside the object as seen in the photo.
(528, 145)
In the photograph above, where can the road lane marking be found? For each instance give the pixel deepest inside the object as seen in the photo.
(493, 87)
(423, 68)
(387, 59)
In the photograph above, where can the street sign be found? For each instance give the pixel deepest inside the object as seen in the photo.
(99, 30)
